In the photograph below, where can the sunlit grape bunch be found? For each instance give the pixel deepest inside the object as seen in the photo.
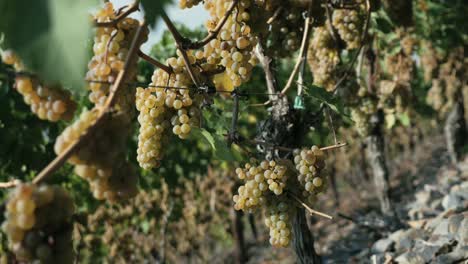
(102, 160)
(323, 58)
(233, 47)
(166, 105)
(38, 224)
(188, 3)
(278, 219)
(48, 102)
(111, 46)
(350, 24)
(310, 162)
(268, 177)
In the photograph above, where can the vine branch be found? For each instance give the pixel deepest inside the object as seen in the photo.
(132, 8)
(104, 113)
(304, 45)
(310, 210)
(154, 62)
(180, 45)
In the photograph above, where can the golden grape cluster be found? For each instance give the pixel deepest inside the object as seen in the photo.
(447, 86)
(188, 3)
(265, 187)
(161, 108)
(361, 114)
(278, 220)
(323, 58)
(111, 47)
(48, 102)
(350, 24)
(233, 47)
(267, 178)
(311, 164)
(38, 224)
(102, 160)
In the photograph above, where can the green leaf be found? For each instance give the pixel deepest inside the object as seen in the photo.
(153, 9)
(49, 36)
(221, 151)
(208, 137)
(334, 103)
(404, 119)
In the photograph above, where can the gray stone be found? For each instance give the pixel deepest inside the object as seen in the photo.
(452, 201)
(383, 245)
(454, 222)
(424, 249)
(410, 258)
(458, 254)
(462, 234)
(442, 228)
(433, 223)
(378, 258)
(436, 204)
(405, 240)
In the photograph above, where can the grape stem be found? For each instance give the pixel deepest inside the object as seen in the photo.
(302, 53)
(275, 15)
(9, 184)
(310, 210)
(214, 33)
(154, 62)
(180, 45)
(132, 8)
(104, 113)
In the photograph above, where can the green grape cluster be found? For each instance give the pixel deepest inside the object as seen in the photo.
(160, 108)
(233, 47)
(102, 160)
(350, 24)
(111, 46)
(286, 30)
(278, 220)
(362, 113)
(188, 3)
(47, 102)
(311, 164)
(38, 224)
(323, 58)
(267, 178)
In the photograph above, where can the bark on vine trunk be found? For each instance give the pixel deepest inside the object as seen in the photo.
(303, 241)
(376, 159)
(238, 230)
(456, 131)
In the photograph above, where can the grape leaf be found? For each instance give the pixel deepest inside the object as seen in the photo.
(49, 36)
(153, 9)
(220, 148)
(334, 103)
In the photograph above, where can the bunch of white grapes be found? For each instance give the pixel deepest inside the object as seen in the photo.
(323, 58)
(47, 102)
(278, 219)
(233, 47)
(350, 24)
(310, 162)
(188, 3)
(166, 102)
(101, 160)
(38, 224)
(266, 178)
(111, 46)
